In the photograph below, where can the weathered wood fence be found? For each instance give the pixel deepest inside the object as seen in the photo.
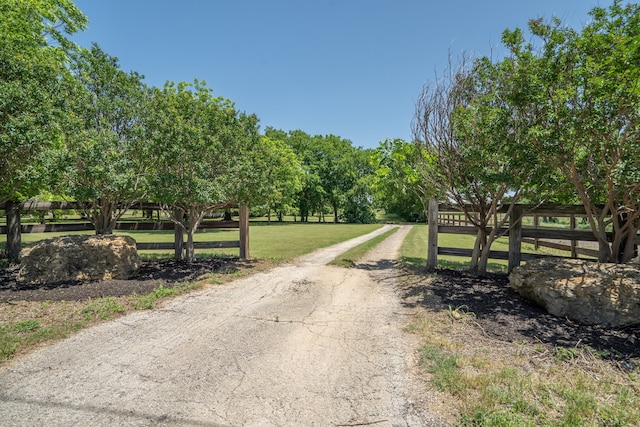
(443, 218)
(14, 227)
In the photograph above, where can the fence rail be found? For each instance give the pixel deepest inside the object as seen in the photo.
(14, 229)
(443, 219)
(128, 226)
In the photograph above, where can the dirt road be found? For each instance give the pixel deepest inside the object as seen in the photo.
(304, 344)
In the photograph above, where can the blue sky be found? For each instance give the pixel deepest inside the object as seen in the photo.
(352, 68)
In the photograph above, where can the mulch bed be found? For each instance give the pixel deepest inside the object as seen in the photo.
(503, 314)
(150, 275)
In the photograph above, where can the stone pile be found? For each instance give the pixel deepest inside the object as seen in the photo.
(73, 258)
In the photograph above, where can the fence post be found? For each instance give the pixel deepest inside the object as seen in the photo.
(536, 222)
(515, 237)
(244, 232)
(432, 243)
(572, 227)
(14, 230)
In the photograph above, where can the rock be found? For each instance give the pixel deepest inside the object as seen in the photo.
(585, 291)
(87, 258)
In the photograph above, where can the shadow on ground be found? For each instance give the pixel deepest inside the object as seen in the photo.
(503, 314)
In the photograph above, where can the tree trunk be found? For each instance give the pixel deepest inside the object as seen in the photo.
(178, 242)
(177, 214)
(624, 246)
(190, 255)
(477, 249)
(103, 218)
(432, 243)
(484, 260)
(192, 227)
(630, 249)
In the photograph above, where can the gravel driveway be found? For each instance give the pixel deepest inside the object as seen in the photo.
(304, 344)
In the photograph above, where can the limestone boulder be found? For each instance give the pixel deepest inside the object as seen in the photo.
(585, 291)
(86, 258)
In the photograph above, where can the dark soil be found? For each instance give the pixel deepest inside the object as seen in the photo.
(151, 275)
(503, 314)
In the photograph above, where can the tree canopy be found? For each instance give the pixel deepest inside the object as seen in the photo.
(34, 53)
(105, 161)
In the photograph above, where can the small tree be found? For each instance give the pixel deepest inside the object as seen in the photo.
(202, 151)
(473, 126)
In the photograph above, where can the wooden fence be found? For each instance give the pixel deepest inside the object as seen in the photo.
(444, 219)
(14, 228)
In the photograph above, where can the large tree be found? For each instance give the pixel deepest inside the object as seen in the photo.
(106, 160)
(311, 196)
(34, 48)
(333, 160)
(589, 126)
(359, 204)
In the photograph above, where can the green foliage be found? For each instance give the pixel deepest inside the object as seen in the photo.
(205, 153)
(584, 88)
(334, 175)
(27, 325)
(443, 367)
(105, 162)
(33, 82)
(554, 122)
(281, 175)
(397, 184)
